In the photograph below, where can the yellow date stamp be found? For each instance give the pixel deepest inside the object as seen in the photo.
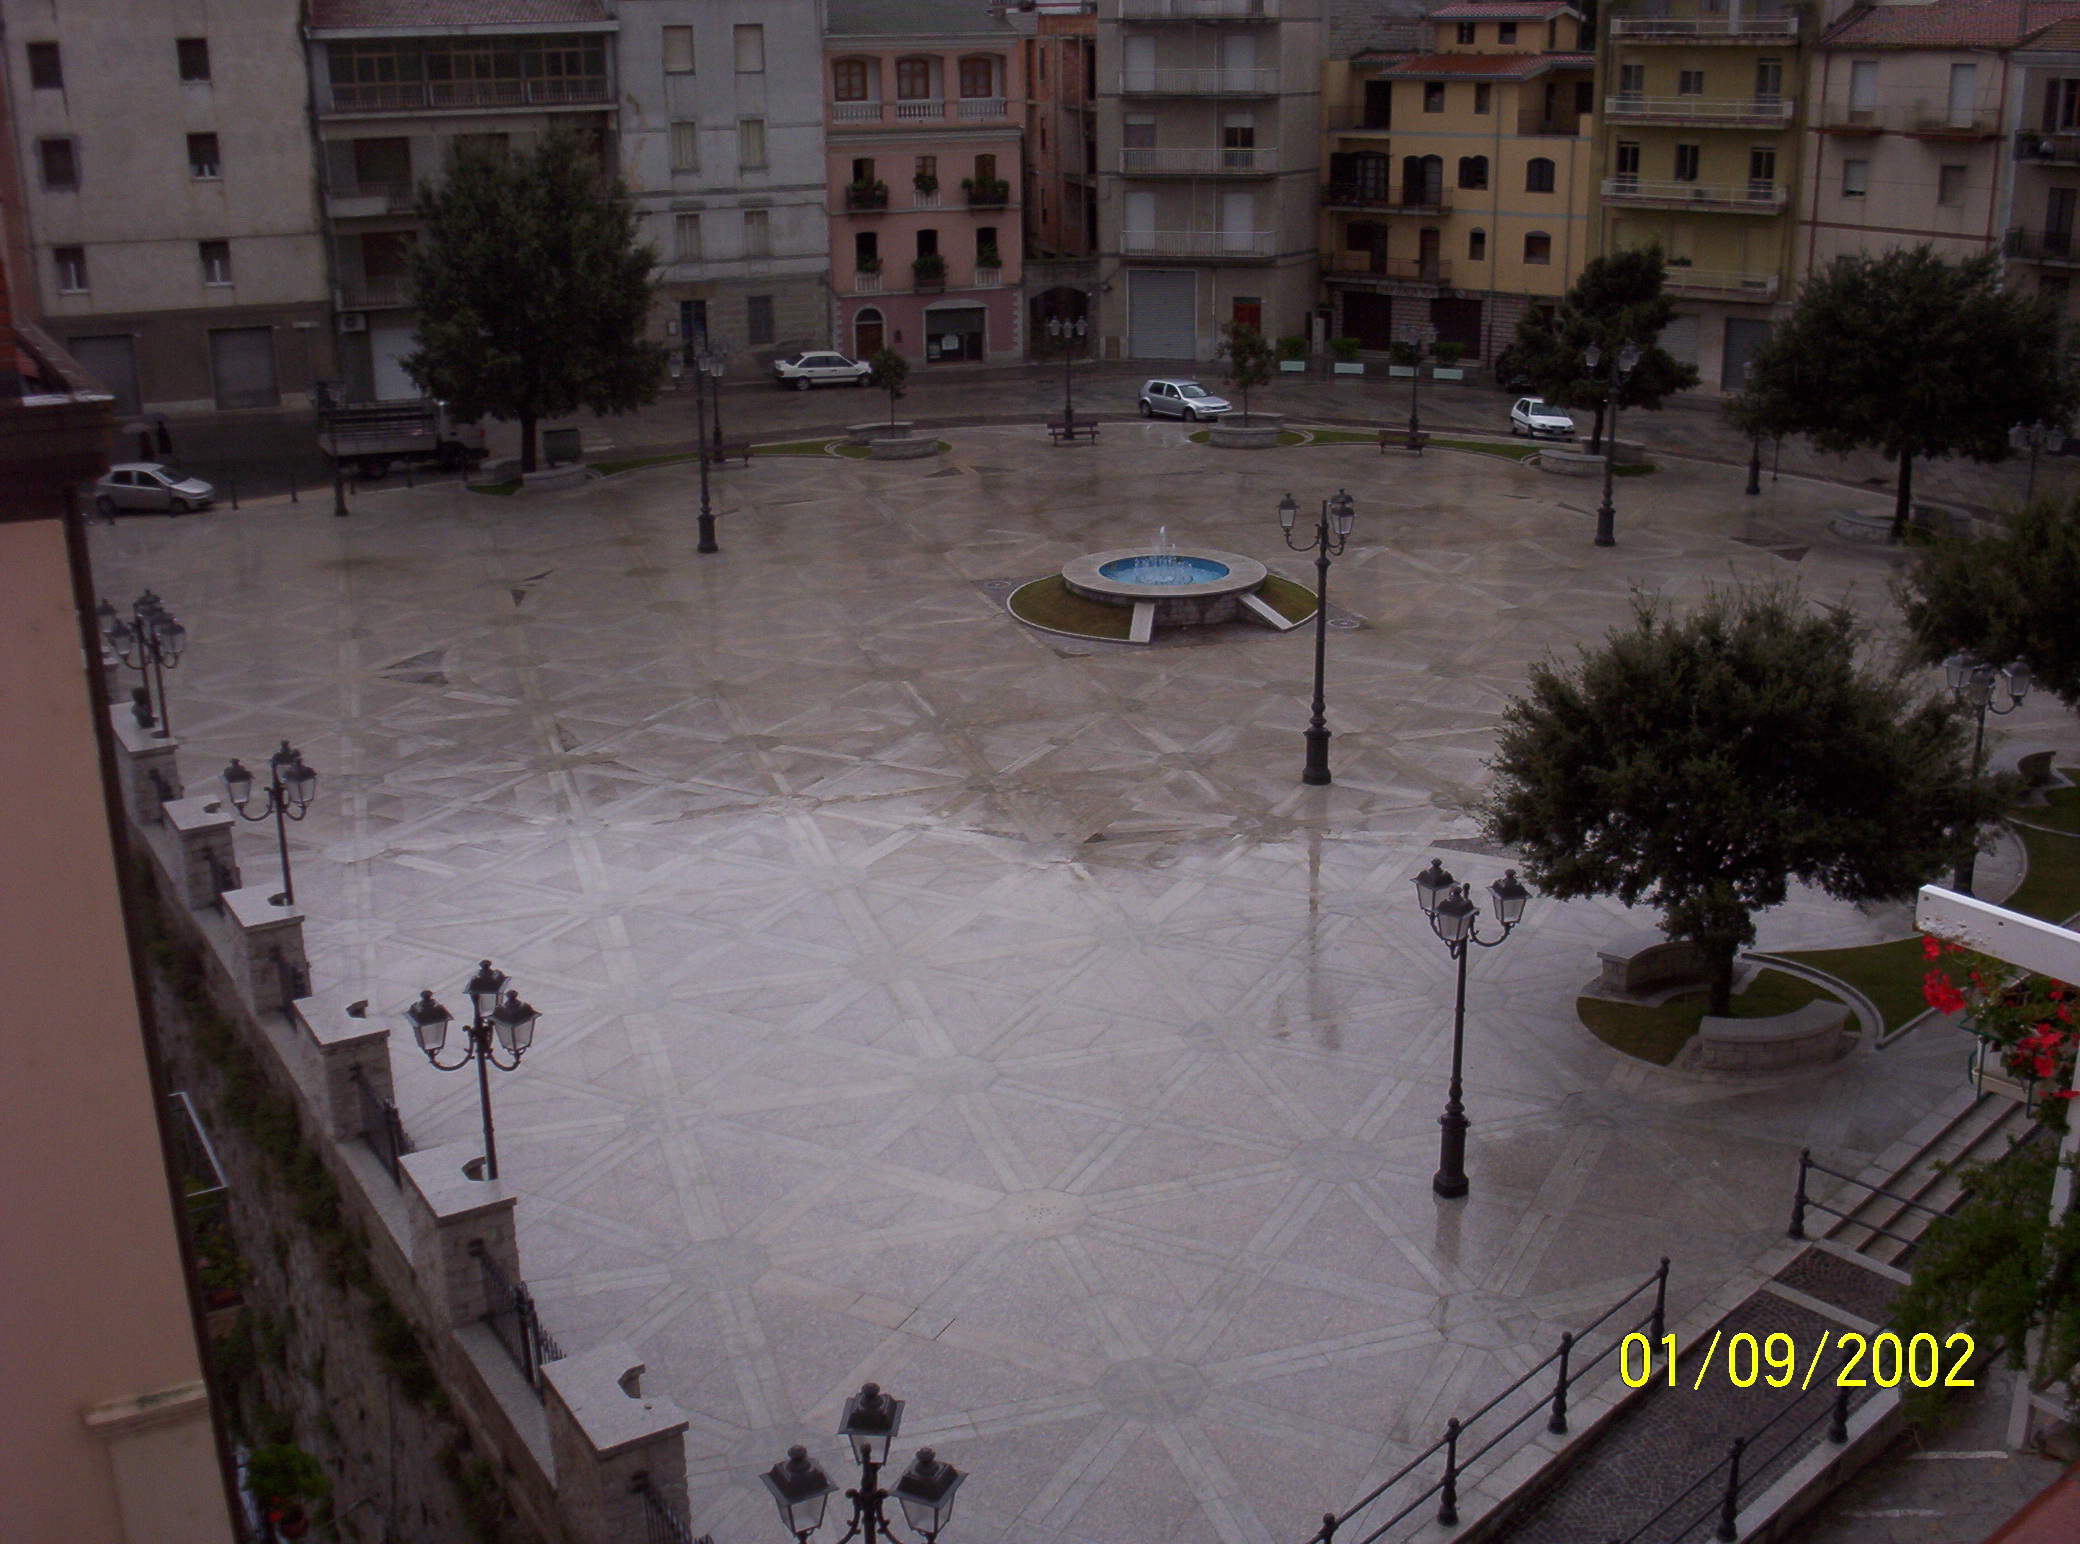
(1860, 1360)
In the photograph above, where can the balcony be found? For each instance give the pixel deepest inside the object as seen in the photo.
(866, 197)
(376, 294)
(866, 281)
(1347, 118)
(1852, 120)
(1731, 112)
(2061, 149)
(1180, 161)
(1343, 195)
(1717, 284)
(1702, 29)
(986, 195)
(362, 200)
(932, 200)
(988, 278)
(1402, 270)
(452, 95)
(921, 110)
(2054, 249)
(1951, 126)
(1199, 10)
(1704, 197)
(1198, 82)
(856, 112)
(1212, 244)
(981, 109)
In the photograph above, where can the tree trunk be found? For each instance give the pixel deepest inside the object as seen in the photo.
(1903, 506)
(1596, 434)
(526, 442)
(891, 412)
(1719, 953)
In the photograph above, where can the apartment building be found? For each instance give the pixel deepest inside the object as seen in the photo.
(168, 220)
(1458, 177)
(923, 143)
(2036, 215)
(395, 87)
(1698, 149)
(722, 151)
(1061, 75)
(1208, 129)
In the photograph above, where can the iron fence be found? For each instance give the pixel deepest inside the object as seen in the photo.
(510, 1312)
(1801, 1203)
(383, 1129)
(662, 1523)
(202, 1177)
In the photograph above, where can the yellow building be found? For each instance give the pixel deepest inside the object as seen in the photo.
(1698, 151)
(1458, 180)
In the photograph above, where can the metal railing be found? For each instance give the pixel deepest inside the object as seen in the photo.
(201, 1176)
(662, 1523)
(1552, 1404)
(382, 1128)
(1725, 1506)
(1198, 10)
(2042, 246)
(1974, 125)
(1702, 29)
(1746, 197)
(1701, 109)
(389, 195)
(401, 95)
(1713, 281)
(1198, 160)
(1410, 270)
(510, 1312)
(1198, 243)
(1801, 1203)
(2061, 149)
(361, 294)
(1187, 81)
(1354, 195)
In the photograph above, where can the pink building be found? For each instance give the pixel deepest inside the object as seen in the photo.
(926, 111)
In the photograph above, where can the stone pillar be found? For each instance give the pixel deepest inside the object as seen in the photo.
(603, 1432)
(202, 844)
(112, 677)
(450, 1212)
(145, 767)
(347, 1050)
(268, 958)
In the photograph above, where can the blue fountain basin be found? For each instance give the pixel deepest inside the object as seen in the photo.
(1162, 569)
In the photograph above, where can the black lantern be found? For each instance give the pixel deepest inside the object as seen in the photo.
(499, 1021)
(869, 1423)
(800, 1491)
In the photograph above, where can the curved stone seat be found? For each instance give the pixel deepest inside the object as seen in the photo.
(1803, 1037)
(1259, 432)
(1858, 526)
(1569, 463)
(866, 434)
(901, 450)
(1647, 962)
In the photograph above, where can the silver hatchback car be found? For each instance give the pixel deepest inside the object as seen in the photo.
(1181, 399)
(151, 486)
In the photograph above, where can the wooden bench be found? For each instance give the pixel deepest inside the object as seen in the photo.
(732, 450)
(1401, 439)
(1072, 429)
(1647, 962)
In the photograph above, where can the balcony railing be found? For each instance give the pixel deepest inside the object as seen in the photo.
(866, 197)
(2060, 248)
(988, 278)
(1852, 120)
(994, 194)
(865, 283)
(1198, 10)
(1700, 109)
(931, 200)
(372, 294)
(1198, 82)
(1738, 197)
(1712, 281)
(856, 112)
(1405, 270)
(1701, 29)
(408, 95)
(1152, 160)
(922, 109)
(1345, 195)
(1198, 243)
(359, 200)
(973, 109)
(2056, 149)
(1926, 125)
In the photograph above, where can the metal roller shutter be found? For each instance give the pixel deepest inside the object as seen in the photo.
(1162, 306)
(242, 362)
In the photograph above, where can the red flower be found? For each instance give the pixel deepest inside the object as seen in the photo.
(1941, 993)
(1930, 949)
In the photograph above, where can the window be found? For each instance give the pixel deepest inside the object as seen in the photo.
(1687, 157)
(1628, 160)
(1473, 171)
(978, 78)
(1433, 96)
(193, 56)
(1856, 178)
(1632, 80)
(203, 162)
(1483, 96)
(46, 72)
(1538, 175)
(1950, 186)
(758, 319)
(686, 147)
(1466, 32)
(758, 233)
(986, 254)
(1964, 92)
(1762, 169)
(751, 49)
(1477, 245)
(1690, 83)
(1585, 96)
(686, 237)
(926, 169)
(2061, 105)
(985, 169)
(751, 144)
(928, 243)
(866, 251)
(1379, 104)
(1863, 85)
(60, 160)
(1506, 32)
(914, 80)
(216, 261)
(678, 50)
(1538, 247)
(72, 269)
(1769, 79)
(849, 80)
(863, 170)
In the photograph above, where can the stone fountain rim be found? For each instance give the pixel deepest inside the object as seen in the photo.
(1081, 574)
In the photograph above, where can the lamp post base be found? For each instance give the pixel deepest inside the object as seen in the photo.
(707, 542)
(1450, 1179)
(1316, 774)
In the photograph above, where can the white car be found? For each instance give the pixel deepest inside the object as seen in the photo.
(149, 485)
(1181, 399)
(820, 369)
(1535, 416)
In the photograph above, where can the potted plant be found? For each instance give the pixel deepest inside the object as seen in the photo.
(926, 183)
(1447, 356)
(283, 1479)
(1346, 352)
(928, 271)
(868, 264)
(1403, 359)
(986, 191)
(1292, 355)
(866, 195)
(987, 257)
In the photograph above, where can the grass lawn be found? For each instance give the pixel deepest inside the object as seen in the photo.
(793, 448)
(631, 463)
(1890, 975)
(2062, 813)
(1637, 469)
(1286, 437)
(2052, 890)
(1294, 602)
(862, 452)
(511, 486)
(1657, 1033)
(1049, 603)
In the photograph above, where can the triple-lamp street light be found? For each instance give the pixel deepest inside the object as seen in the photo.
(287, 796)
(1067, 332)
(1978, 687)
(708, 362)
(801, 1490)
(496, 1015)
(1622, 365)
(150, 643)
(1454, 918)
(1339, 511)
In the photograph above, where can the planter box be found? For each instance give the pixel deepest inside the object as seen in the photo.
(1447, 373)
(1356, 368)
(866, 434)
(1403, 372)
(1238, 437)
(1570, 463)
(1292, 366)
(901, 449)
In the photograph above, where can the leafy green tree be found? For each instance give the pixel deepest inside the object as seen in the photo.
(1915, 356)
(530, 291)
(1700, 764)
(887, 371)
(2003, 597)
(1251, 359)
(1617, 300)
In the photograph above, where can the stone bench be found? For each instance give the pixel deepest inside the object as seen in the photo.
(866, 434)
(901, 449)
(1569, 463)
(1260, 431)
(1803, 1037)
(1647, 962)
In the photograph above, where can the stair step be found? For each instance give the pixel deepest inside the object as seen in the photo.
(1981, 1131)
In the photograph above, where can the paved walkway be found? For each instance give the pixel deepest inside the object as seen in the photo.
(996, 1015)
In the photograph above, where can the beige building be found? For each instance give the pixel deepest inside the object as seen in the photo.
(169, 212)
(2036, 215)
(1208, 150)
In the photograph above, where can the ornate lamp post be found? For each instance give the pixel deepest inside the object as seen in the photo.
(1978, 687)
(708, 364)
(287, 796)
(1337, 510)
(1622, 364)
(1415, 382)
(1454, 918)
(1067, 333)
(150, 643)
(800, 1490)
(499, 1020)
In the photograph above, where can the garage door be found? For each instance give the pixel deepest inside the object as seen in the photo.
(1743, 338)
(241, 361)
(1162, 307)
(113, 363)
(387, 345)
(1679, 339)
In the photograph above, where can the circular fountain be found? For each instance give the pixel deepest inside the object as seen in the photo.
(1185, 586)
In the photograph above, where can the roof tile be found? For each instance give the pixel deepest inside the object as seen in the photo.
(343, 15)
(1949, 24)
(1486, 66)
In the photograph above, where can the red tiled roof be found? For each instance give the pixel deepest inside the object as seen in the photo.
(328, 15)
(2064, 36)
(1502, 10)
(1949, 24)
(1486, 66)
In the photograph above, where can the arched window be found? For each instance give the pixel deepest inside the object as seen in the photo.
(979, 76)
(1422, 179)
(1538, 247)
(850, 81)
(1538, 175)
(869, 333)
(1473, 171)
(1477, 245)
(914, 79)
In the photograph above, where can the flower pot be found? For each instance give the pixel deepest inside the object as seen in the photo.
(1404, 372)
(1292, 366)
(1353, 367)
(1447, 373)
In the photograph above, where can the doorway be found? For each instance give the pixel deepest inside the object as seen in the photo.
(869, 335)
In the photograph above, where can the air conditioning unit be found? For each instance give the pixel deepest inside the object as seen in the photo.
(353, 321)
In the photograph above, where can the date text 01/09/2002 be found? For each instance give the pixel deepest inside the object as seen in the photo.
(1918, 1360)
